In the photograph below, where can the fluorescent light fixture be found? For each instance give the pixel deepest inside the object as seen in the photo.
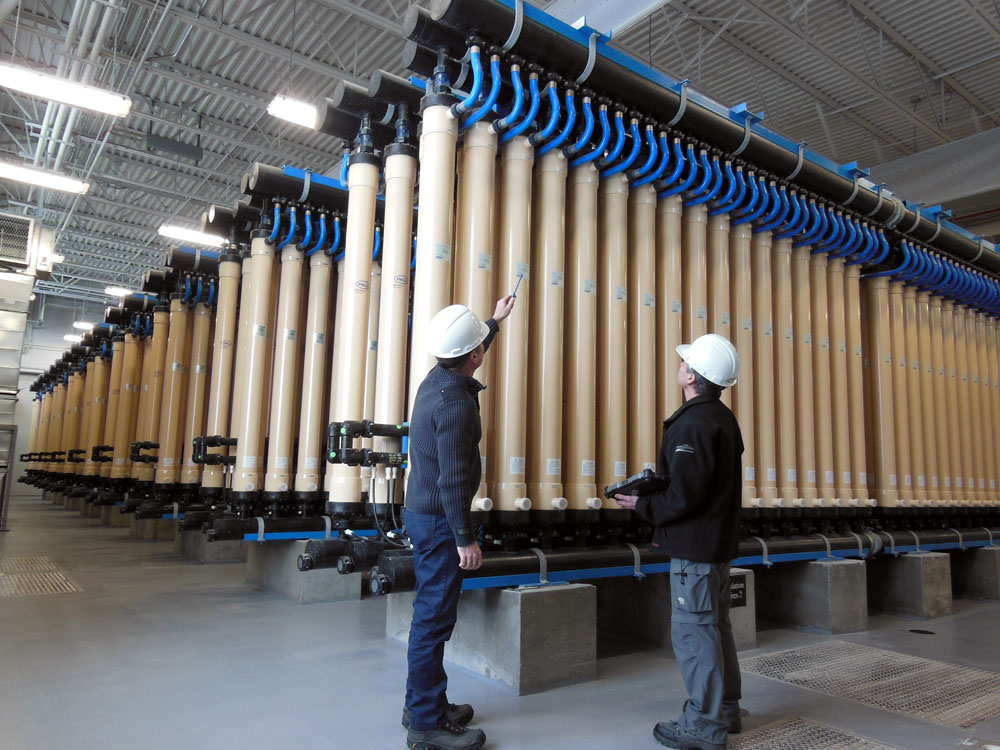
(42, 178)
(31, 297)
(60, 90)
(117, 291)
(72, 338)
(82, 325)
(293, 110)
(56, 258)
(191, 235)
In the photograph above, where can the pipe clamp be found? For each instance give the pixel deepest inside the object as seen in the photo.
(798, 166)
(936, 231)
(982, 246)
(306, 184)
(916, 222)
(961, 543)
(684, 103)
(515, 32)
(854, 193)
(327, 526)
(917, 540)
(861, 548)
(829, 551)
(636, 563)
(543, 567)
(260, 528)
(591, 57)
(878, 206)
(763, 545)
(989, 534)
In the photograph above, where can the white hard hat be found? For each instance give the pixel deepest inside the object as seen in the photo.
(455, 331)
(713, 357)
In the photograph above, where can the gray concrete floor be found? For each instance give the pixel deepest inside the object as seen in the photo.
(158, 652)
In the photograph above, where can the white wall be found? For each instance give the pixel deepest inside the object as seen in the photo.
(43, 344)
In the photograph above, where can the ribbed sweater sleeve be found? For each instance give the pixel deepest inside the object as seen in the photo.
(456, 484)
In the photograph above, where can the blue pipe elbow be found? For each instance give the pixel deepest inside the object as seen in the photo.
(663, 149)
(477, 84)
(320, 239)
(654, 152)
(567, 128)
(817, 215)
(277, 224)
(588, 130)
(515, 110)
(722, 206)
(701, 194)
(491, 98)
(797, 221)
(692, 162)
(335, 243)
(291, 229)
(619, 142)
(307, 238)
(530, 116)
(601, 145)
(778, 205)
(755, 205)
(633, 154)
(535, 138)
(378, 243)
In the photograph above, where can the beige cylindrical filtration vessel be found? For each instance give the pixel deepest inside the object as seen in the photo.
(931, 434)
(914, 413)
(975, 408)
(839, 398)
(347, 396)
(670, 293)
(992, 354)
(95, 425)
(940, 385)
(882, 411)
(765, 416)
(36, 415)
(432, 291)
(311, 428)
(71, 420)
(114, 399)
(390, 374)
(900, 401)
(161, 331)
(44, 422)
(643, 436)
(580, 433)
(694, 232)
(543, 472)
(855, 385)
(197, 393)
(719, 316)
(243, 336)
(612, 332)
(822, 372)
(220, 388)
(127, 405)
(143, 408)
(269, 360)
(509, 491)
(741, 289)
(952, 400)
(371, 363)
(965, 458)
(278, 479)
(56, 423)
(784, 373)
(246, 473)
(474, 283)
(168, 460)
(806, 425)
(985, 412)
(86, 406)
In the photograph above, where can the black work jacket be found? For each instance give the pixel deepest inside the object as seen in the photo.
(698, 516)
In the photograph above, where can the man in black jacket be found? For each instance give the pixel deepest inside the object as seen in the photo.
(445, 472)
(697, 520)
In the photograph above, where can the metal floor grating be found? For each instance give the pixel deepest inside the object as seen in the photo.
(33, 584)
(922, 688)
(800, 734)
(19, 564)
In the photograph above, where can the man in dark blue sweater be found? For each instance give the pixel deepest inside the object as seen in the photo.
(445, 471)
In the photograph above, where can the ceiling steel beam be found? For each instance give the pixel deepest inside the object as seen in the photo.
(610, 17)
(802, 38)
(793, 78)
(363, 14)
(991, 27)
(900, 41)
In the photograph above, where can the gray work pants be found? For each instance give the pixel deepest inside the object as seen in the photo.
(703, 644)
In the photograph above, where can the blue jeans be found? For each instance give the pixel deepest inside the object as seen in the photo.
(703, 644)
(439, 582)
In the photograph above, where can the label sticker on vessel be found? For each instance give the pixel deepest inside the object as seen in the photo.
(484, 262)
(620, 468)
(442, 251)
(553, 467)
(517, 464)
(588, 467)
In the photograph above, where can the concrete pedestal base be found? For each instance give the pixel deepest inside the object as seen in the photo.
(153, 529)
(975, 573)
(529, 639)
(274, 566)
(639, 608)
(119, 520)
(73, 503)
(826, 595)
(195, 545)
(57, 498)
(85, 509)
(96, 511)
(918, 585)
(106, 514)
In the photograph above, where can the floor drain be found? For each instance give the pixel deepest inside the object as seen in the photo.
(923, 688)
(796, 733)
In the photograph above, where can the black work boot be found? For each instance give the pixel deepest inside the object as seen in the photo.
(448, 736)
(460, 714)
(669, 734)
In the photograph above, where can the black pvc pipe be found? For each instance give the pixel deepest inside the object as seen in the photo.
(272, 182)
(180, 259)
(456, 18)
(394, 90)
(235, 528)
(345, 125)
(355, 99)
